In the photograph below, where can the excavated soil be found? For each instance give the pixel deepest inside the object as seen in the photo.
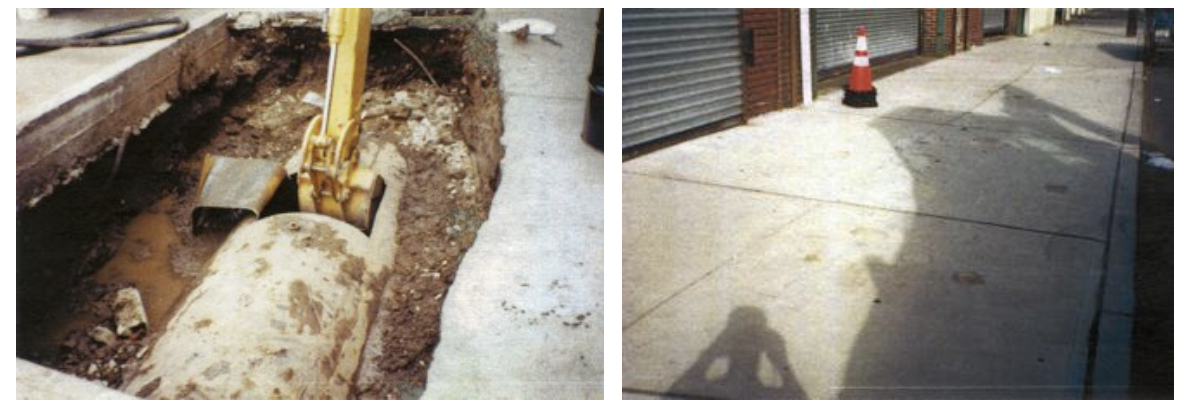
(126, 222)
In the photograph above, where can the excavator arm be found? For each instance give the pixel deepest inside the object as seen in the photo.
(330, 180)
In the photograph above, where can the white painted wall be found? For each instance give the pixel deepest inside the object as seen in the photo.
(1037, 20)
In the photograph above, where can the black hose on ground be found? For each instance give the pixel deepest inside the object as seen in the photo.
(100, 37)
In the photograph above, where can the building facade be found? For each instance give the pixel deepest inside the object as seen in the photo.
(687, 72)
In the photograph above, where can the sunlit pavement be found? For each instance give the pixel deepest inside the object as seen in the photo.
(524, 317)
(950, 243)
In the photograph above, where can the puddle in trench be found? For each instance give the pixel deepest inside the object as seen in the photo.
(143, 261)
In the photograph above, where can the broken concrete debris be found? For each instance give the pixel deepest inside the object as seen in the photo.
(102, 335)
(129, 312)
(313, 98)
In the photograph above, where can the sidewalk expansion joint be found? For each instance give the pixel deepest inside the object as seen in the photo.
(776, 230)
(993, 94)
(885, 209)
(666, 394)
(952, 123)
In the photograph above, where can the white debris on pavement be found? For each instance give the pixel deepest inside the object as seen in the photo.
(1051, 70)
(1158, 160)
(1161, 163)
(536, 26)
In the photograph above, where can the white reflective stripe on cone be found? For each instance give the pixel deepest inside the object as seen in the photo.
(861, 61)
(861, 44)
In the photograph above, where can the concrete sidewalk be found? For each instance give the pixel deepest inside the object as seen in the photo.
(950, 243)
(524, 317)
(66, 114)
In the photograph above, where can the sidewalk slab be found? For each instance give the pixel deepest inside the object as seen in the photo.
(683, 231)
(1078, 44)
(1075, 105)
(524, 317)
(536, 60)
(889, 163)
(35, 382)
(74, 103)
(819, 155)
(967, 84)
(874, 304)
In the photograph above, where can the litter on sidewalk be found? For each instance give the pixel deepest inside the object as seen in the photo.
(536, 26)
(1158, 160)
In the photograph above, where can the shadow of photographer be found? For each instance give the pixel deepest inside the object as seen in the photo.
(732, 366)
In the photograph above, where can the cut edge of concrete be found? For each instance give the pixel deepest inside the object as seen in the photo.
(382, 18)
(464, 367)
(56, 150)
(1111, 366)
(35, 382)
(53, 149)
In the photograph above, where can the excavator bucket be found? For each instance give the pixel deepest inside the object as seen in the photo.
(231, 189)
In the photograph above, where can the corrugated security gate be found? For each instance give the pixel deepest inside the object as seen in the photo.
(993, 21)
(890, 32)
(682, 69)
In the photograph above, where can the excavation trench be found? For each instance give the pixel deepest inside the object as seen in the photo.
(126, 221)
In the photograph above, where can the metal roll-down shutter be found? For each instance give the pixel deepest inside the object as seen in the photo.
(993, 21)
(681, 71)
(891, 32)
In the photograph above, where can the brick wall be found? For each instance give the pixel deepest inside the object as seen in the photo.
(961, 39)
(975, 26)
(929, 29)
(929, 32)
(773, 81)
(762, 84)
(951, 15)
(1014, 21)
(786, 38)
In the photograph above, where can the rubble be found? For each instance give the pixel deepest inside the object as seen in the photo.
(129, 312)
(247, 21)
(312, 98)
(102, 335)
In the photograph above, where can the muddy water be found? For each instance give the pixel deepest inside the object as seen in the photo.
(143, 261)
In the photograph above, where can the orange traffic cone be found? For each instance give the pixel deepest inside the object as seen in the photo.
(860, 92)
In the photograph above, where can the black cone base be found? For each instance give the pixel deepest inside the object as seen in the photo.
(859, 99)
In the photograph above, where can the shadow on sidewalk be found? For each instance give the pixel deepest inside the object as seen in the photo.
(732, 366)
(1123, 52)
(928, 335)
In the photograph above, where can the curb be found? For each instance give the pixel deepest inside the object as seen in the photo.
(1111, 355)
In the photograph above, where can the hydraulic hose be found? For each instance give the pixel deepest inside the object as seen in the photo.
(102, 37)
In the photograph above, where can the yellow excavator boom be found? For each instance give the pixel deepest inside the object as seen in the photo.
(330, 180)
